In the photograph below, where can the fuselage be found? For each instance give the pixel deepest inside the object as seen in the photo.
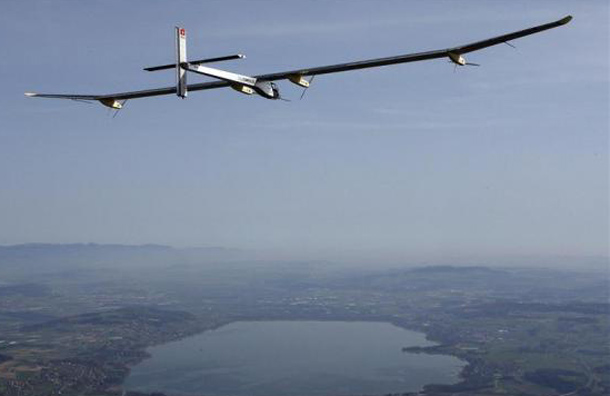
(267, 89)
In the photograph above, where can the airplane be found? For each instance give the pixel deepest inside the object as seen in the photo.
(264, 84)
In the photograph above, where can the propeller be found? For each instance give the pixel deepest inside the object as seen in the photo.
(117, 110)
(305, 89)
(280, 97)
(455, 65)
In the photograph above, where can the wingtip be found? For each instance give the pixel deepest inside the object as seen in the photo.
(565, 20)
(30, 94)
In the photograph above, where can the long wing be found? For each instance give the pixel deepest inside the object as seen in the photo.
(132, 94)
(444, 53)
(413, 57)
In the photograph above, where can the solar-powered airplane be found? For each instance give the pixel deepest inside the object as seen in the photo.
(264, 85)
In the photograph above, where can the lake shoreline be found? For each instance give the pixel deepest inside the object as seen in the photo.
(419, 330)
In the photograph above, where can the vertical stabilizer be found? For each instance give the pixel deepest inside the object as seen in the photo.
(181, 89)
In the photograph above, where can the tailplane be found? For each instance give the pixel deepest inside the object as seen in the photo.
(181, 64)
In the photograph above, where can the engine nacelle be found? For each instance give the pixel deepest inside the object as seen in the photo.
(112, 103)
(457, 59)
(298, 80)
(242, 89)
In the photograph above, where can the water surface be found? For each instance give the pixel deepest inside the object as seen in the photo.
(293, 358)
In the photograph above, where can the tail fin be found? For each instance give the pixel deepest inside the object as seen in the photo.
(181, 87)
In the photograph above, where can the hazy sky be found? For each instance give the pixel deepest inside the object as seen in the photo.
(507, 158)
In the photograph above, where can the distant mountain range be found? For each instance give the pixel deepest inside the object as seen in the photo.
(38, 256)
(92, 255)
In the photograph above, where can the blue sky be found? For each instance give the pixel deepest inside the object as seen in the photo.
(510, 158)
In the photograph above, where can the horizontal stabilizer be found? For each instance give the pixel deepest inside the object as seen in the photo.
(209, 60)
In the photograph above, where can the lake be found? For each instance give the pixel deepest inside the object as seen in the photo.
(293, 358)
